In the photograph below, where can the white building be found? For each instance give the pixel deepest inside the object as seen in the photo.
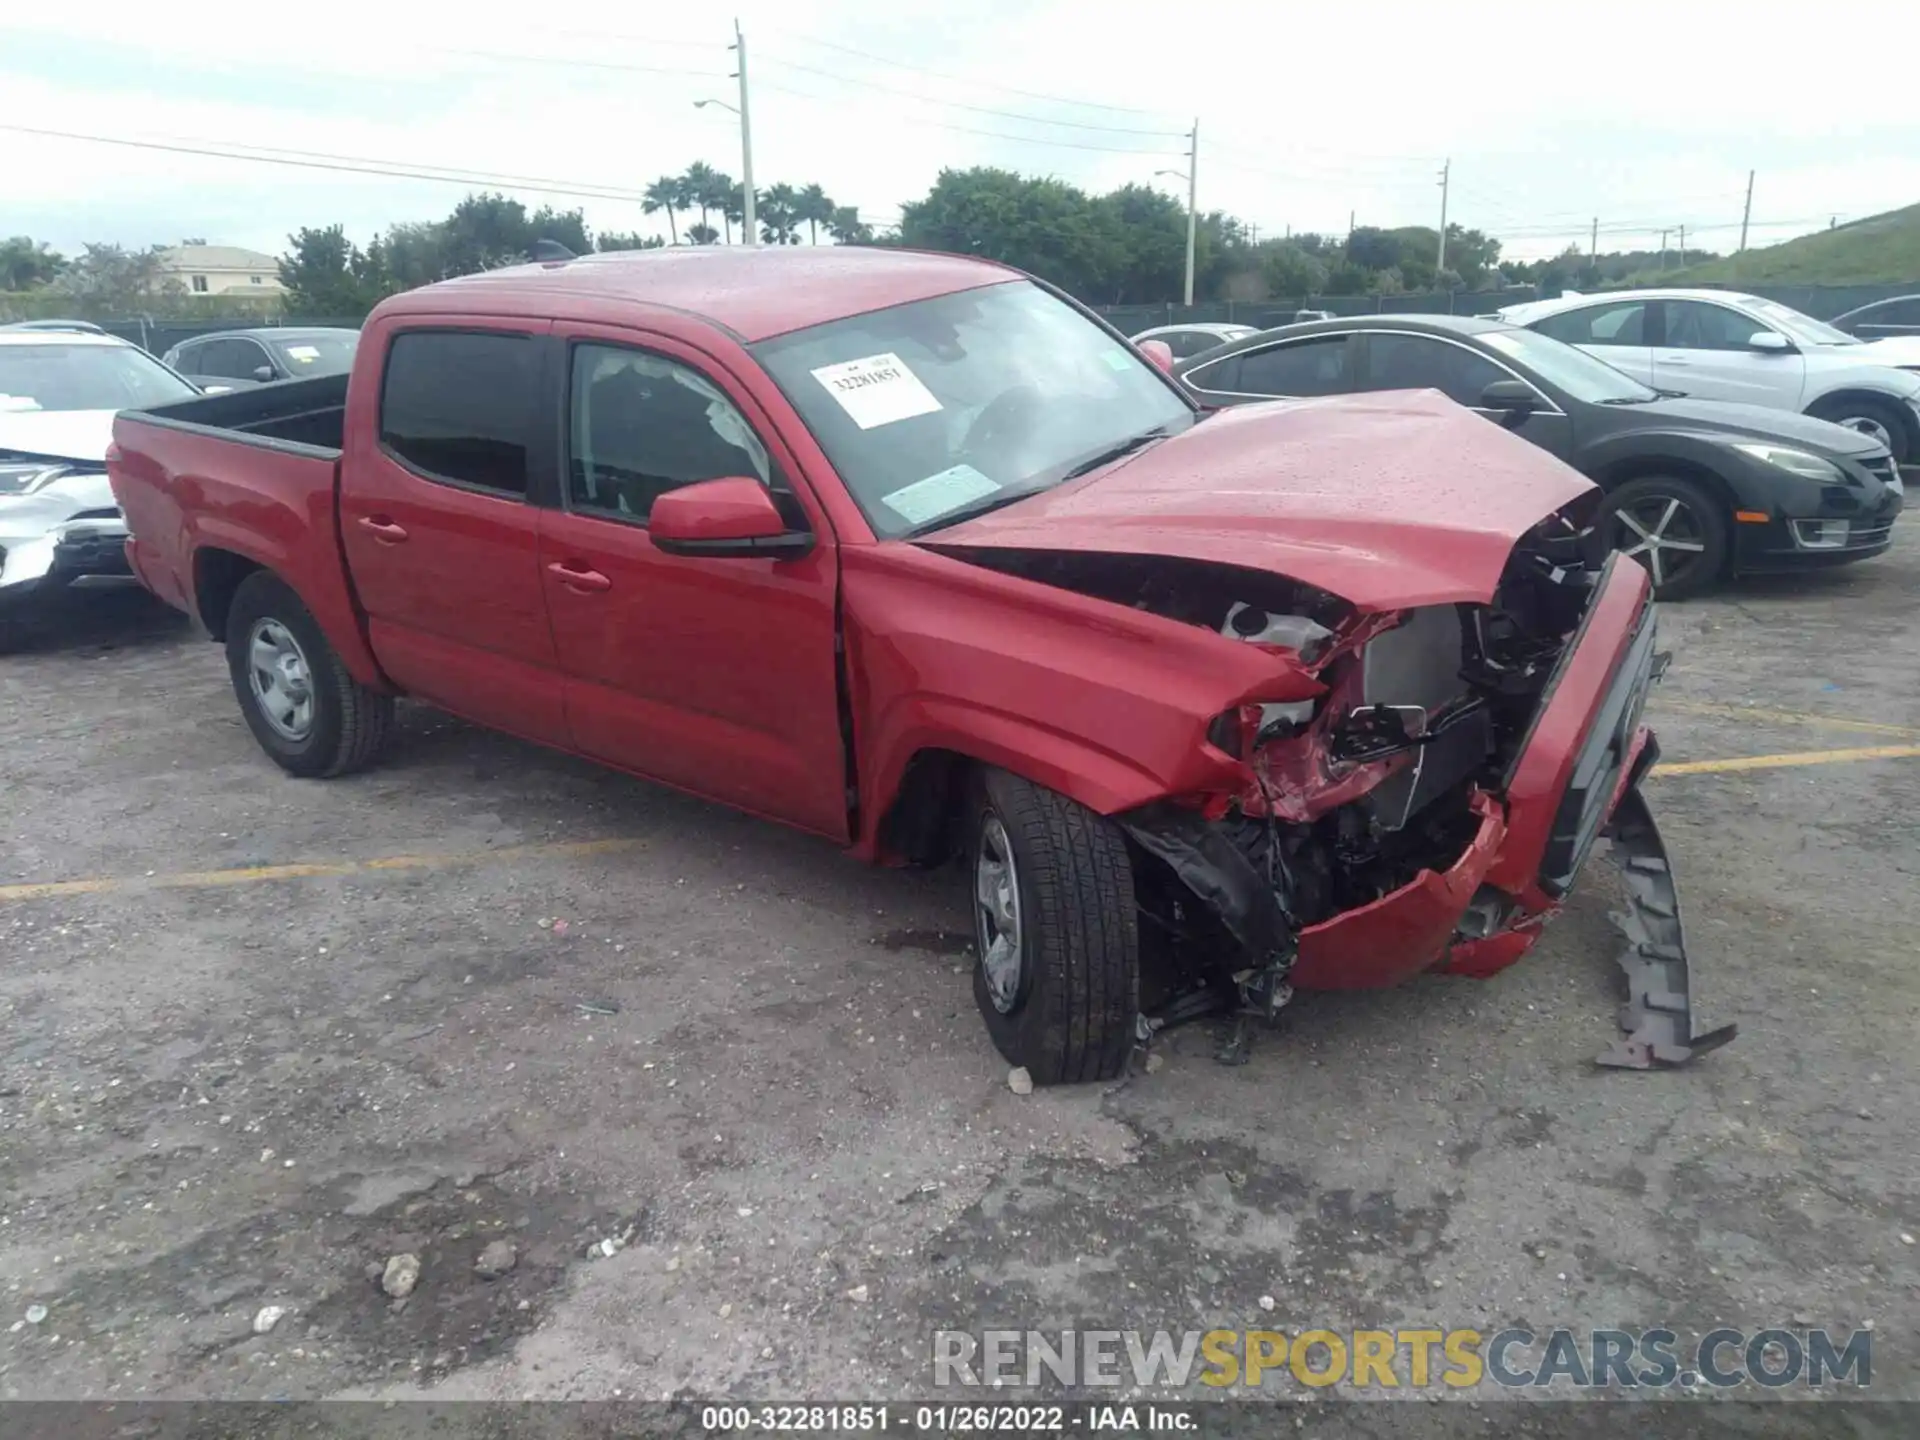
(220, 270)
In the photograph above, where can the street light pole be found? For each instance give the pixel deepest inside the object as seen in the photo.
(746, 140)
(1193, 200)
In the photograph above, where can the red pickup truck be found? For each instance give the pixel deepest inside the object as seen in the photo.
(913, 552)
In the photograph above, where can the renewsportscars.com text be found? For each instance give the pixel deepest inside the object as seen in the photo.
(1403, 1359)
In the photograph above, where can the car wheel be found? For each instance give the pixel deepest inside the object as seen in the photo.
(302, 705)
(1674, 527)
(1058, 974)
(1880, 419)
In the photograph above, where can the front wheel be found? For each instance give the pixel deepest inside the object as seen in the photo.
(1674, 527)
(308, 713)
(1058, 976)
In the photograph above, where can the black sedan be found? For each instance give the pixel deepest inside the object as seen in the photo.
(1695, 489)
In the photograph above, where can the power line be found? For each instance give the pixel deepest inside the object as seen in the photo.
(570, 60)
(976, 84)
(970, 130)
(351, 165)
(978, 109)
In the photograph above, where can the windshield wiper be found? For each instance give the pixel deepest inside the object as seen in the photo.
(1115, 452)
(984, 505)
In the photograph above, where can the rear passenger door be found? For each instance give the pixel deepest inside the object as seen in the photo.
(716, 675)
(450, 456)
(1620, 333)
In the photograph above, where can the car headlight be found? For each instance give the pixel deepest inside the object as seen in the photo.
(18, 478)
(1803, 463)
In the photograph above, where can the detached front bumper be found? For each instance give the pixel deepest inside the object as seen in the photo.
(83, 553)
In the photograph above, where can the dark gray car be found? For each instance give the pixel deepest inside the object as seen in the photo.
(1695, 489)
(232, 359)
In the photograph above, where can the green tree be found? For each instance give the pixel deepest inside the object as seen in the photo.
(25, 263)
(778, 211)
(1372, 248)
(108, 278)
(733, 208)
(847, 228)
(815, 209)
(1045, 226)
(701, 233)
(696, 190)
(484, 232)
(1291, 271)
(569, 227)
(629, 240)
(665, 194)
(1144, 230)
(327, 274)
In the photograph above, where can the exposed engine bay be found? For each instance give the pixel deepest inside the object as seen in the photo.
(1389, 774)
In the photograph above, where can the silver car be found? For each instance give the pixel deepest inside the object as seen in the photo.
(59, 526)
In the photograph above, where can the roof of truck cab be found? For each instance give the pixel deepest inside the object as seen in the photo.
(755, 292)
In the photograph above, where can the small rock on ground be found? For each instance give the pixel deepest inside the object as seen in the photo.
(1019, 1081)
(268, 1317)
(496, 1260)
(401, 1274)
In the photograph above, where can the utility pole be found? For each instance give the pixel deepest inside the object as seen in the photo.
(1746, 214)
(1663, 249)
(1348, 253)
(1193, 200)
(746, 141)
(1593, 245)
(1683, 247)
(1441, 262)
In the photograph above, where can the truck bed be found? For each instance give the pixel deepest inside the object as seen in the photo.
(307, 414)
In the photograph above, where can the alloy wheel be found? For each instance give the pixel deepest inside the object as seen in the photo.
(1662, 533)
(281, 679)
(996, 908)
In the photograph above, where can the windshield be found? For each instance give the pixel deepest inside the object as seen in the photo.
(85, 377)
(1574, 371)
(1804, 328)
(305, 355)
(945, 407)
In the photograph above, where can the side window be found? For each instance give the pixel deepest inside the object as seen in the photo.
(641, 425)
(1185, 344)
(231, 359)
(1299, 367)
(1414, 362)
(1624, 323)
(1696, 325)
(459, 406)
(187, 359)
(1221, 376)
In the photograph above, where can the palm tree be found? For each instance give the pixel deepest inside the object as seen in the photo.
(703, 234)
(664, 194)
(734, 211)
(721, 195)
(696, 188)
(847, 228)
(779, 207)
(816, 209)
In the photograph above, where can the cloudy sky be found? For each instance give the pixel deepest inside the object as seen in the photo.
(1647, 115)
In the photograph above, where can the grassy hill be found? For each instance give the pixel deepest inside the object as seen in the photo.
(1880, 250)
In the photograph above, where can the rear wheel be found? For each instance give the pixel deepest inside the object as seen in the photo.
(1881, 419)
(1058, 977)
(1674, 527)
(302, 705)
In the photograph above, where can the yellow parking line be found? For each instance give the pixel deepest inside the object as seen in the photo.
(1780, 717)
(253, 874)
(1801, 757)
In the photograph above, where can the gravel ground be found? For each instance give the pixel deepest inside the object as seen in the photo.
(754, 1069)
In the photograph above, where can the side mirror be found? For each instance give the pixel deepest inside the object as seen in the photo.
(1514, 400)
(263, 373)
(730, 518)
(1159, 352)
(1769, 342)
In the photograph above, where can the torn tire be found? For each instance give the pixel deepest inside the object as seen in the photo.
(1057, 977)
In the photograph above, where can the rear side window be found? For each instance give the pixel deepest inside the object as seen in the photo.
(1301, 367)
(1623, 323)
(459, 406)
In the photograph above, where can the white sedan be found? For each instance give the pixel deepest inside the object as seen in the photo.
(1721, 345)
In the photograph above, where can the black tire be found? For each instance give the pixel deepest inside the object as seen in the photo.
(1072, 1015)
(1701, 520)
(1891, 417)
(349, 724)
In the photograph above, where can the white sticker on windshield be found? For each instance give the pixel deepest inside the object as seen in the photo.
(304, 352)
(934, 496)
(877, 390)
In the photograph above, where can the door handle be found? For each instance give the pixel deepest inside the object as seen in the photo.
(384, 530)
(575, 576)
(1675, 360)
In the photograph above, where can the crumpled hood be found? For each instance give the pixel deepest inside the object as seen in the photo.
(1386, 500)
(81, 435)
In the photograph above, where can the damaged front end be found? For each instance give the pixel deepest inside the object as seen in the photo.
(1429, 809)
